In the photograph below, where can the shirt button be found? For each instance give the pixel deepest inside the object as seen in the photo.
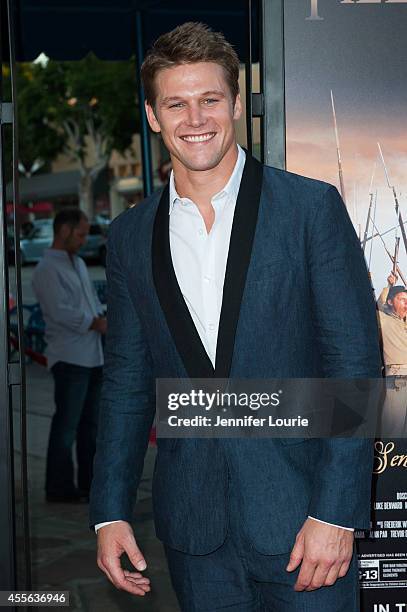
(200, 232)
(207, 279)
(211, 326)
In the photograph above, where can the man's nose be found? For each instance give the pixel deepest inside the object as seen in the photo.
(196, 116)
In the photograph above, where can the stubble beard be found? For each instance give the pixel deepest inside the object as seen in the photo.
(213, 160)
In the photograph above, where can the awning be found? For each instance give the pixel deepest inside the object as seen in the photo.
(37, 207)
(47, 186)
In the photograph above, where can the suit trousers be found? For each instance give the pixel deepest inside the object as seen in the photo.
(237, 577)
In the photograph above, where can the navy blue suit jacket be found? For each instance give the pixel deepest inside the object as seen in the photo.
(297, 303)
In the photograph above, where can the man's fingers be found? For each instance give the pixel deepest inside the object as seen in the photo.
(326, 574)
(113, 541)
(319, 577)
(133, 589)
(118, 579)
(344, 569)
(128, 573)
(297, 554)
(111, 566)
(333, 574)
(306, 575)
(142, 583)
(136, 577)
(134, 554)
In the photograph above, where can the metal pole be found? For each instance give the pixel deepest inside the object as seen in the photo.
(248, 79)
(7, 517)
(272, 83)
(17, 381)
(144, 127)
(12, 373)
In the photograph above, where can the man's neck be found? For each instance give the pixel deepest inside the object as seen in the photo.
(201, 186)
(58, 246)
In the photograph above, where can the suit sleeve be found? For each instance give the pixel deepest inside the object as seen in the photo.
(127, 402)
(344, 319)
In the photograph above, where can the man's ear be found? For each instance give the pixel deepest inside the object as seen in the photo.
(151, 118)
(237, 110)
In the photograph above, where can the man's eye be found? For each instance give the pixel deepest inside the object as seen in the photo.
(177, 105)
(210, 100)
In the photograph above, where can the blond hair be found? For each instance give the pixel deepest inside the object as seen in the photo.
(189, 43)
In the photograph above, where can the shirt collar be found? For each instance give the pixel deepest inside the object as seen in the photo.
(58, 254)
(230, 189)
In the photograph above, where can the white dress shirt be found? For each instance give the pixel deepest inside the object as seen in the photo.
(69, 303)
(199, 258)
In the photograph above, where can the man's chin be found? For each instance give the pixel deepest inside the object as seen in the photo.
(200, 164)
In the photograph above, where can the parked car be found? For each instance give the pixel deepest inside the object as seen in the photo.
(95, 246)
(41, 236)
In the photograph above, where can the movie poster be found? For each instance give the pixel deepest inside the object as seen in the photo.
(346, 92)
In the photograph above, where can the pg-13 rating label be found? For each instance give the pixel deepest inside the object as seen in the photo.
(34, 598)
(388, 573)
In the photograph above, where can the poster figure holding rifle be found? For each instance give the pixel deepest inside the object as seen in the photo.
(392, 313)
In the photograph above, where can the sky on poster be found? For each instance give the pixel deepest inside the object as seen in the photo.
(360, 52)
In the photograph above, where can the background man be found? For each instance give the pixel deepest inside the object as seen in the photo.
(212, 278)
(74, 352)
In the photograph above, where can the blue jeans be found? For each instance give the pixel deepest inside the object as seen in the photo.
(237, 577)
(77, 392)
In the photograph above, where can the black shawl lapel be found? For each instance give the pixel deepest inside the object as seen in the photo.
(240, 250)
(179, 320)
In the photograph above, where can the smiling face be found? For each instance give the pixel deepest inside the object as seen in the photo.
(399, 304)
(195, 113)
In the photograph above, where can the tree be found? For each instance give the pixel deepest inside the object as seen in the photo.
(39, 143)
(84, 108)
(95, 104)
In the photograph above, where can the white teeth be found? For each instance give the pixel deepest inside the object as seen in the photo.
(200, 138)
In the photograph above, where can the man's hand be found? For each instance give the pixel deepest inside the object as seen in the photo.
(113, 541)
(99, 324)
(392, 279)
(325, 552)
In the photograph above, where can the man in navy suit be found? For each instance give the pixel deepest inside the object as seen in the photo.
(243, 271)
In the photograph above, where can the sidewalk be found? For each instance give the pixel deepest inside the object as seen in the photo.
(63, 546)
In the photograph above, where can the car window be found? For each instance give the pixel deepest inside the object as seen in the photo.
(44, 231)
